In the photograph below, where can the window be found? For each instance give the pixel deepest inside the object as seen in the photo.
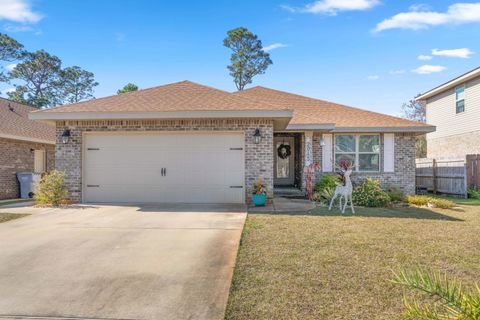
(361, 151)
(460, 99)
(39, 161)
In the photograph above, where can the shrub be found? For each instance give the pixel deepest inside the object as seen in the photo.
(370, 194)
(441, 203)
(474, 193)
(417, 200)
(395, 193)
(326, 182)
(422, 201)
(325, 189)
(51, 189)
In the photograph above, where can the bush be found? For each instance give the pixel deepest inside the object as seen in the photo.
(417, 200)
(370, 194)
(423, 201)
(51, 189)
(327, 182)
(441, 203)
(474, 193)
(395, 193)
(325, 189)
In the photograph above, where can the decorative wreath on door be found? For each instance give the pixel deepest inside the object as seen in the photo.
(284, 151)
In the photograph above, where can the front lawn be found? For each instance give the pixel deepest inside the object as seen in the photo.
(325, 265)
(4, 217)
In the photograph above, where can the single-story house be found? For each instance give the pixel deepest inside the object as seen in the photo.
(185, 142)
(25, 145)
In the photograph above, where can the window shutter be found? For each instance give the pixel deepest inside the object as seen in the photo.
(327, 154)
(389, 152)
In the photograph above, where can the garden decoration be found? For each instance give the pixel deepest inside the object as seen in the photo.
(346, 190)
(284, 151)
(309, 181)
(259, 196)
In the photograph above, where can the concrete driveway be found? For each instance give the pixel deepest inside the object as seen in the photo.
(119, 262)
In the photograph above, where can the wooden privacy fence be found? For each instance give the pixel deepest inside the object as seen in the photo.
(473, 171)
(443, 176)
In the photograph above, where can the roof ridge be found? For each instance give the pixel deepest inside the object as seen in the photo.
(137, 92)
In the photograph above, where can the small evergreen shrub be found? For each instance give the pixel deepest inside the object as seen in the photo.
(327, 182)
(325, 189)
(370, 194)
(474, 193)
(395, 193)
(51, 189)
(417, 200)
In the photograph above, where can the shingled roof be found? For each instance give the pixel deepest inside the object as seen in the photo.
(15, 124)
(187, 96)
(314, 111)
(174, 97)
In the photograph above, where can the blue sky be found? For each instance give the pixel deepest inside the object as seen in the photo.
(363, 53)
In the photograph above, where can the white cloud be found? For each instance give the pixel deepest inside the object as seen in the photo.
(18, 11)
(332, 7)
(13, 28)
(373, 77)
(424, 57)
(10, 67)
(427, 69)
(9, 90)
(394, 72)
(464, 53)
(457, 13)
(274, 46)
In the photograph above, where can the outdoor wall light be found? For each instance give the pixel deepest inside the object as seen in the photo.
(65, 136)
(322, 142)
(256, 136)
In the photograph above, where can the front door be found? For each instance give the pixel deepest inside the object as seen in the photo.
(284, 166)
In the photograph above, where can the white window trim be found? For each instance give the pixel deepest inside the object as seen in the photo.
(457, 100)
(357, 151)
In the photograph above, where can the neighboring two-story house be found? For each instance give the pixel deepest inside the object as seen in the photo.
(454, 108)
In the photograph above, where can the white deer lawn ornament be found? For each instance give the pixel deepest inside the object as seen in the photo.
(344, 191)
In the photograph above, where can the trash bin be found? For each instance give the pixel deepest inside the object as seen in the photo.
(27, 182)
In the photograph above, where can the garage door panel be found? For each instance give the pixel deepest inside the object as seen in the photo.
(201, 167)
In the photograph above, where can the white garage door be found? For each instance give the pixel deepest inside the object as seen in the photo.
(164, 167)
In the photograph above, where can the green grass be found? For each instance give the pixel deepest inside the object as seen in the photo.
(4, 217)
(460, 201)
(325, 265)
(7, 202)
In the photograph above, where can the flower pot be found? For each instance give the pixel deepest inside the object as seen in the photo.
(259, 199)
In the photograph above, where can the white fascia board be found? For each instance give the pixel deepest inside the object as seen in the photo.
(450, 84)
(13, 137)
(312, 126)
(270, 114)
(424, 129)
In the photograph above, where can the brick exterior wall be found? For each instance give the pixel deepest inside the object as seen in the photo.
(16, 156)
(456, 146)
(258, 157)
(404, 175)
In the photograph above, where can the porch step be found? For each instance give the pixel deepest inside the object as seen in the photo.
(292, 193)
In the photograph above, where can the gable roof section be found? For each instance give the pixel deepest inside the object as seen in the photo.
(450, 84)
(16, 124)
(190, 100)
(309, 111)
(175, 97)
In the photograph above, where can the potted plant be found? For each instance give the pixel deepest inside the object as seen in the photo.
(259, 197)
